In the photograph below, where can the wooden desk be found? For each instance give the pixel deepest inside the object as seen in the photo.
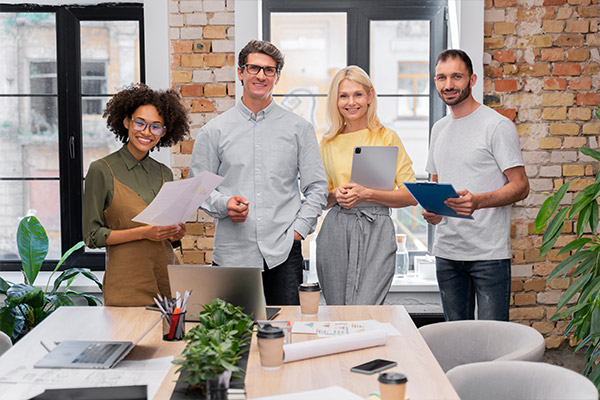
(97, 323)
(426, 380)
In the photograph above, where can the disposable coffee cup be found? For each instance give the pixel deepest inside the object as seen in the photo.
(173, 325)
(310, 293)
(392, 386)
(270, 347)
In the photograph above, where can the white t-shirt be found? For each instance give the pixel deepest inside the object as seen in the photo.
(471, 153)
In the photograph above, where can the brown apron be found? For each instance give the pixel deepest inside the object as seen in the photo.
(135, 271)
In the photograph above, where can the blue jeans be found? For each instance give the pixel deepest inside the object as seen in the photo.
(461, 282)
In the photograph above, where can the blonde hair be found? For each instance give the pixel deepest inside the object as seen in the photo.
(334, 117)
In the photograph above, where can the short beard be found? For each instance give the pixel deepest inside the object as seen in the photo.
(463, 94)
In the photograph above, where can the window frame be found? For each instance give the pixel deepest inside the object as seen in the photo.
(70, 126)
(359, 14)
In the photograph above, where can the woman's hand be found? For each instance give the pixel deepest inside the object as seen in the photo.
(348, 195)
(179, 235)
(160, 233)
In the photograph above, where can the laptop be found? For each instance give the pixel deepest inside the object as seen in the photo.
(240, 286)
(374, 167)
(89, 353)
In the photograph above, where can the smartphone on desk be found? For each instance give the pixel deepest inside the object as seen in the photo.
(374, 366)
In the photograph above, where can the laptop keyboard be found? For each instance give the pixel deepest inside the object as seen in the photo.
(96, 353)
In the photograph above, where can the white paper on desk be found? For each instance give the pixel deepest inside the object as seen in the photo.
(150, 372)
(332, 345)
(332, 392)
(335, 328)
(178, 200)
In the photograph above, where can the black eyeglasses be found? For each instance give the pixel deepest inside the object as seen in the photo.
(155, 129)
(254, 69)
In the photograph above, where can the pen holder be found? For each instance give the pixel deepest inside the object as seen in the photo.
(173, 325)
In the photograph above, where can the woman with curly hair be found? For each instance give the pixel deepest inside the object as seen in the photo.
(120, 185)
(356, 245)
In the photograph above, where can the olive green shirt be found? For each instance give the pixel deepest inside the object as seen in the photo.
(143, 177)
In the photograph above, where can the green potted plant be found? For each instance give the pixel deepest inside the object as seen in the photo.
(214, 348)
(583, 263)
(26, 305)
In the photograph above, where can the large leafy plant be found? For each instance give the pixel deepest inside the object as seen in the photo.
(26, 305)
(583, 263)
(216, 344)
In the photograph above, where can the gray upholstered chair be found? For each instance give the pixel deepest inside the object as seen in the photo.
(462, 342)
(5, 342)
(523, 380)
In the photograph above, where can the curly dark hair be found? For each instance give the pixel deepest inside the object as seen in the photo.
(167, 103)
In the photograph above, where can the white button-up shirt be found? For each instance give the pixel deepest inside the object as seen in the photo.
(270, 159)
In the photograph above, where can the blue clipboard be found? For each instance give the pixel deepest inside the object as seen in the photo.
(431, 196)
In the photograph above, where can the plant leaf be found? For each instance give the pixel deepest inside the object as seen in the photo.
(75, 247)
(32, 242)
(569, 311)
(583, 219)
(572, 290)
(591, 152)
(576, 244)
(581, 201)
(594, 216)
(549, 207)
(568, 262)
(4, 286)
(553, 231)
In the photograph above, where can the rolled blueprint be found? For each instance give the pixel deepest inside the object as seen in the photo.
(336, 344)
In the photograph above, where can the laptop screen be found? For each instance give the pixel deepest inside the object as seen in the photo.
(240, 286)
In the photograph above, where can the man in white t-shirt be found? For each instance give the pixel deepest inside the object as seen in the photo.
(476, 150)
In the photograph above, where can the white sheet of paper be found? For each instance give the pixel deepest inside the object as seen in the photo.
(178, 200)
(24, 382)
(332, 392)
(335, 328)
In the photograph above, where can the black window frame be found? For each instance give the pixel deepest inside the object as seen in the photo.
(359, 14)
(70, 117)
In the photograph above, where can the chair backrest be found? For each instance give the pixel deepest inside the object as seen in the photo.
(5, 342)
(526, 380)
(462, 342)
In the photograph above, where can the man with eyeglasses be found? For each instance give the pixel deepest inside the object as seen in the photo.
(275, 185)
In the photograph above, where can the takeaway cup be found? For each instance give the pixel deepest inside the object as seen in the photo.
(392, 386)
(310, 293)
(270, 347)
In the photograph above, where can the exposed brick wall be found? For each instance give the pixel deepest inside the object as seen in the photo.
(203, 70)
(542, 71)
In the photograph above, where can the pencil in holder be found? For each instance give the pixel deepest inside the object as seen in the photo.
(174, 326)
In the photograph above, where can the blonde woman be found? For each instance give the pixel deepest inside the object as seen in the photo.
(356, 245)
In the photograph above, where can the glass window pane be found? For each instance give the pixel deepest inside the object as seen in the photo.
(408, 220)
(110, 57)
(21, 198)
(29, 137)
(28, 51)
(400, 56)
(98, 141)
(414, 132)
(311, 108)
(314, 45)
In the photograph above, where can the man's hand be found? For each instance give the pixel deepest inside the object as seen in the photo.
(297, 236)
(465, 204)
(237, 207)
(431, 218)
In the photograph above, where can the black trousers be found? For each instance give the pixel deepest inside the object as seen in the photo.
(280, 284)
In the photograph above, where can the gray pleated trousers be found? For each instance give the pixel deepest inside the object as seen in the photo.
(356, 255)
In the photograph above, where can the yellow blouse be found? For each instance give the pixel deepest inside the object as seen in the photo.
(337, 155)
